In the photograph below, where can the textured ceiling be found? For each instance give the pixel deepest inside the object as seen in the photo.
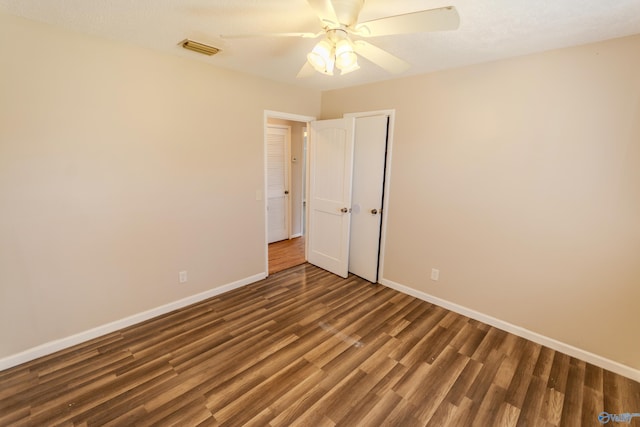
(489, 30)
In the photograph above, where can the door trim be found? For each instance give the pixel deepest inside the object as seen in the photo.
(387, 180)
(270, 114)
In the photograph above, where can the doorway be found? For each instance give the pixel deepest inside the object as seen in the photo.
(287, 249)
(376, 260)
(349, 160)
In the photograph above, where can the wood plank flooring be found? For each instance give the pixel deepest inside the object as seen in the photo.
(307, 348)
(286, 254)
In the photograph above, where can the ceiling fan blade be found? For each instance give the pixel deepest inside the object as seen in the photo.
(441, 19)
(301, 35)
(307, 70)
(325, 11)
(347, 11)
(380, 57)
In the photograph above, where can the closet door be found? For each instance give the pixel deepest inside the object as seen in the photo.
(368, 189)
(278, 182)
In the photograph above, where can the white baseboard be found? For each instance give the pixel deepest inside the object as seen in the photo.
(293, 236)
(57, 345)
(570, 350)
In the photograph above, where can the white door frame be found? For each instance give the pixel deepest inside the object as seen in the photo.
(269, 114)
(387, 180)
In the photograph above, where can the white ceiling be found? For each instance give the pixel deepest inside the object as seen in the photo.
(489, 30)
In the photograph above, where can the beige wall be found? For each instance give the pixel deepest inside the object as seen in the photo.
(297, 149)
(119, 167)
(520, 181)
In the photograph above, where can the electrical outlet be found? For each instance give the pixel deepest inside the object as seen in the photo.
(435, 274)
(182, 276)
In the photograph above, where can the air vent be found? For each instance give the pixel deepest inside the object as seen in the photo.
(199, 47)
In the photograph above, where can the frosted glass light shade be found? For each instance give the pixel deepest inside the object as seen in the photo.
(321, 57)
(346, 58)
(354, 67)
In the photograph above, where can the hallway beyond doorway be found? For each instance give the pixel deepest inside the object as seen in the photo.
(286, 254)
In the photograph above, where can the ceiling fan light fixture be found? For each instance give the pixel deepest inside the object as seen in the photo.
(354, 67)
(322, 57)
(330, 64)
(346, 58)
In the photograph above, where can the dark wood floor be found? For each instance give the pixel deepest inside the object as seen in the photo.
(307, 348)
(286, 254)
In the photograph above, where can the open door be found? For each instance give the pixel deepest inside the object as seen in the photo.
(369, 166)
(330, 179)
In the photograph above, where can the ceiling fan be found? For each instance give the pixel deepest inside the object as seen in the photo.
(343, 36)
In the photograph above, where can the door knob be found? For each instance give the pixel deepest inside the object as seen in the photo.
(374, 211)
(344, 210)
(286, 191)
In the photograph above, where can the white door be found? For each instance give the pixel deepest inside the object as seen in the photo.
(278, 183)
(330, 178)
(368, 186)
